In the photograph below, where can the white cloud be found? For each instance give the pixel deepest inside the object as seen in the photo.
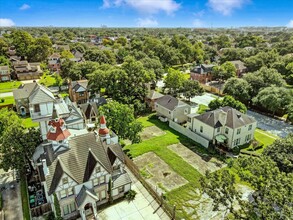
(5, 22)
(145, 6)
(147, 22)
(290, 24)
(24, 7)
(226, 7)
(197, 23)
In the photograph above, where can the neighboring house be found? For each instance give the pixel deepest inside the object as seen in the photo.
(225, 126)
(240, 67)
(202, 73)
(54, 62)
(21, 97)
(78, 56)
(83, 171)
(75, 118)
(25, 71)
(78, 91)
(61, 47)
(4, 74)
(151, 98)
(172, 108)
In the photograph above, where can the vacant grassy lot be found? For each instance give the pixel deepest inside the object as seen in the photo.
(159, 145)
(9, 86)
(7, 100)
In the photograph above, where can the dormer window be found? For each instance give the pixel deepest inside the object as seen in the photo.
(98, 169)
(65, 180)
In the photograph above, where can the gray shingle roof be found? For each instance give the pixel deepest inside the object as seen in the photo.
(169, 102)
(40, 95)
(121, 180)
(24, 91)
(83, 193)
(235, 119)
(154, 95)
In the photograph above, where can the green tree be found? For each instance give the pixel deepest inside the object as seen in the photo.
(4, 61)
(22, 41)
(65, 54)
(227, 101)
(273, 98)
(3, 47)
(40, 49)
(191, 88)
(281, 152)
(57, 208)
(262, 59)
(238, 88)
(174, 81)
(224, 72)
(120, 118)
(155, 66)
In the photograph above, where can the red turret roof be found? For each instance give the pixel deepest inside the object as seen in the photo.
(104, 130)
(102, 120)
(58, 133)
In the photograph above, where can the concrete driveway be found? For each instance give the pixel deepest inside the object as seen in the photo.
(12, 206)
(144, 207)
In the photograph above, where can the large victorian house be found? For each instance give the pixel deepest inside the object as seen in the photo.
(83, 171)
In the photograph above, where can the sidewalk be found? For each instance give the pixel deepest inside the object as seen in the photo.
(144, 207)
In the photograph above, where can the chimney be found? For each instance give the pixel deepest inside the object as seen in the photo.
(45, 168)
(222, 117)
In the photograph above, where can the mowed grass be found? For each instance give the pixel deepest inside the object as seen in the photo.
(9, 86)
(158, 145)
(28, 123)
(7, 100)
(265, 137)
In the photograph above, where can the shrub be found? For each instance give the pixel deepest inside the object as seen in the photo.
(236, 150)
(50, 216)
(130, 195)
(2, 100)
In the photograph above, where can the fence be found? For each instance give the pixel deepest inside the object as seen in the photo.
(40, 210)
(212, 89)
(171, 212)
(188, 133)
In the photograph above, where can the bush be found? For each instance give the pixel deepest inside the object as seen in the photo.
(50, 216)
(2, 100)
(236, 150)
(130, 195)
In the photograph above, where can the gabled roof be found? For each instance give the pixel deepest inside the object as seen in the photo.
(80, 86)
(83, 193)
(54, 55)
(121, 180)
(76, 162)
(238, 64)
(58, 130)
(87, 108)
(154, 95)
(40, 95)
(25, 90)
(235, 119)
(169, 102)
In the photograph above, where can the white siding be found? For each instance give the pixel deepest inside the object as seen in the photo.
(207, 131)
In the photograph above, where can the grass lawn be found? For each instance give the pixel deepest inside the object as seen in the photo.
(158, 145)
(7, 100)
(28, 123)
(47, 80)
(24, 199)
(9, 86)
(265, 137)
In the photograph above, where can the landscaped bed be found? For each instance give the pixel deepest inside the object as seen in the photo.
(160, 175)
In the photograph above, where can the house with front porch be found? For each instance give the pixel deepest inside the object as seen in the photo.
(83, 171)
(225, 126)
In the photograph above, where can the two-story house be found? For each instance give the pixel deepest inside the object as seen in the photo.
(4, 74)
(151, 98)
(25, 71)
(172, 108)
(202, 73)
(225, 126)
(78, 91)
(54, 62)
(83, 171)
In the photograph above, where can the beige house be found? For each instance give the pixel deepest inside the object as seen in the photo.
(225, 126)
(25, 71)
(172, 108)
(83, 171)
(4, 74)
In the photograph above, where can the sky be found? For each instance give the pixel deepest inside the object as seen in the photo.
(146, 13)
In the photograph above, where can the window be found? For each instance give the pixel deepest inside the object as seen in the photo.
(37, 108)
(70, 191)
(249, 127)
(72, 207)
(248, 137)
(81, 94)
(201, 129)
(102, 179)
(169, 112)
(65, 180)
(96, 182)
(103, 194)
(121, 189)
(238, 130)
(68, 208)
(98, 169)
(226, 130)
(63, 194)
(116, 167)
(218, 129)
(237, 142)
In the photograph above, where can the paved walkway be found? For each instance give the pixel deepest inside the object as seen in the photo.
(6, 94)
(144, 207)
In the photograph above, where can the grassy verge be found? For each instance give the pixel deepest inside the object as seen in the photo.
(24, 199)
(7, 100)
(9, 86)
(158, 145)
(28, 123)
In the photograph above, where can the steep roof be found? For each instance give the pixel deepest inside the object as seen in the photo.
(25, 90)
(76, 162)
(121, 180)
(169, 102)
(58, 130)
(87, 108)
(80, 86)
(235, 119)
(41, 94)
(238, 64)
(83, 193)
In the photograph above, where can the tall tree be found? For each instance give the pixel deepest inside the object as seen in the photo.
(40, 49)
(120, 118)
(238, 88)
(174, 81)
(224, 72)
(227, 101)
(191, 88)
(22, 41)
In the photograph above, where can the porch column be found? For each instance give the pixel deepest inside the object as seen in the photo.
(94, 205)
(82, 213)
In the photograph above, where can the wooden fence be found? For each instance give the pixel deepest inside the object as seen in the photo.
(170, 211)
